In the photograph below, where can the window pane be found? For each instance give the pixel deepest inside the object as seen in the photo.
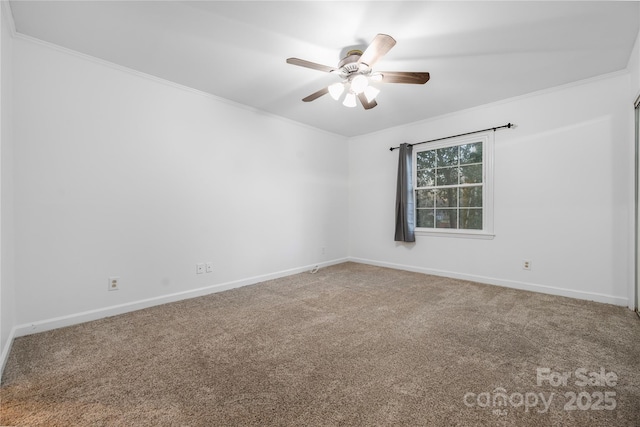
(446, 197)
(471, 219)
(426, 178)
(447, 156)
(471, 197)
(470, 174)
(424, 218)
(426, 159)
(471, 153)
(425, 198)
(446, 218)
(447, 176)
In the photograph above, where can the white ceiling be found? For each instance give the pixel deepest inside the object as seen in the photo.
(477, 52)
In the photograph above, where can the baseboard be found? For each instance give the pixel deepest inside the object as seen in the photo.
(73, 319)
(6, 350)
(533, 287)
(86, 316)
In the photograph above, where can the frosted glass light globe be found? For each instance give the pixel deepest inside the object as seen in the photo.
(349, 100)
(335, 90)
(359, 83)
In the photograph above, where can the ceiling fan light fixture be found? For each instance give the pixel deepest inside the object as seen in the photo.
(335, 90)
(359, 83)
(356, 72)
(371, 92)
(350, 100)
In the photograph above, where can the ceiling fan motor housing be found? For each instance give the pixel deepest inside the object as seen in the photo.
(350, 65)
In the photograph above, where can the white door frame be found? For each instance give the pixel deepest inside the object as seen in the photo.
(636, 301)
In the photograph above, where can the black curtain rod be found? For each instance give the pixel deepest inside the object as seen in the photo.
(508, 126)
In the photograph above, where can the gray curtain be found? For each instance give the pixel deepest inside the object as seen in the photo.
(405, 224)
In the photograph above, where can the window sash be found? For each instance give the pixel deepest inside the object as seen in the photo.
(486, 185)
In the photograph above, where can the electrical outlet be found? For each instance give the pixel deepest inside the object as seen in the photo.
(209, 267)
(323, 251)
(199, 268)
(114, 283)
(526, 264)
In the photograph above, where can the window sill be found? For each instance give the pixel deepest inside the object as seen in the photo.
(466, 234)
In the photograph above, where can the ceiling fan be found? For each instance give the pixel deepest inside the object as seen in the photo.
(356, 73)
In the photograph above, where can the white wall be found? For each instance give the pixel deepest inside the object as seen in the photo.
(116, 173)
(119, 174)
(563, 195)
(7, 281)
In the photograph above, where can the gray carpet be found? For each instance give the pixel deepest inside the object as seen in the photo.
(350, 345)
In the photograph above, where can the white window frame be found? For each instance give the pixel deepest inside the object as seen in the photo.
(487, 139)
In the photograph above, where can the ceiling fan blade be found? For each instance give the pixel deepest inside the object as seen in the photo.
(379, 47)
(316, 95)
(404, 77)
(312, 65)
(365, 103)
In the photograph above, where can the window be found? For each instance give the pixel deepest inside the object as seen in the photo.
(453, 186)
